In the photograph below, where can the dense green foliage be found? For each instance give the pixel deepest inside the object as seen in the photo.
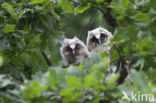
(31, 28)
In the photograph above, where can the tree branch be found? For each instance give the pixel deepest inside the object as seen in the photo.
(46, 59)
(112, 22)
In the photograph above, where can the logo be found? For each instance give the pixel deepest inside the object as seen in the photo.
(137, 96)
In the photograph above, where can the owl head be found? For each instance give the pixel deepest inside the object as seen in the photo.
(73, 51)
(98, 39)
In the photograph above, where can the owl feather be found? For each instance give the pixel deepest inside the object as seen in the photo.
(98, 40)
(73, 51)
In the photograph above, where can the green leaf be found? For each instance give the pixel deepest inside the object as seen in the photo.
(99, 1)
(8, 28)
(142, 17)
(67, 6)
(81, 67)
(10, 9)
(116, 9)
(120, 17)
(65, 92)
(36, 2)
(1, 60)
(2, 12)
(56, 32)
(83, 8)
(132, 32)
(91, 81)
(113, 79)
(153, 3)
(73, 81)
(4, 81)
(55, 15)
(140, 64)
(140, 80)
(19, 14)
(52, 78)
(33, 89)
(124, 3)
(105, 62)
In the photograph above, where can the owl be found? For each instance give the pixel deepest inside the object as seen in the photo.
(73, 51)
(98, 40)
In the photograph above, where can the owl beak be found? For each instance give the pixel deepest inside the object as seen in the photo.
(73, 52)
(100, 41)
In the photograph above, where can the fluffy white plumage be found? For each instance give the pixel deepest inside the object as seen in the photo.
(98, 40)
(73, 51)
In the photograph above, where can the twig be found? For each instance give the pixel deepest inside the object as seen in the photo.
(46, 59)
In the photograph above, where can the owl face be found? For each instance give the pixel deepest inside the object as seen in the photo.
(73, 51)
(98, 39)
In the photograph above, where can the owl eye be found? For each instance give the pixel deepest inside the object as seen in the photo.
(94, 39)
(77, 47)
(103, 37)
(67, 49)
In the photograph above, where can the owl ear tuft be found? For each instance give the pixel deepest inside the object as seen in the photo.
(66, 40)
(75, 37)
(100, 27)
(110, 34)
(89, 32)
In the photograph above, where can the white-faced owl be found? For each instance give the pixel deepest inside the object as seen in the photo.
(98, 40)
(73, 51)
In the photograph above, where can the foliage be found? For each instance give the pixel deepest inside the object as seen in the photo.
(30, 28)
